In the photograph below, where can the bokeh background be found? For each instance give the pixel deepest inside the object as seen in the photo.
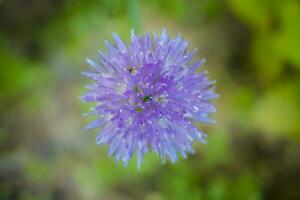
(252, 48)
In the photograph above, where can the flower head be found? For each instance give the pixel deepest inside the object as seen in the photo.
(147, 95)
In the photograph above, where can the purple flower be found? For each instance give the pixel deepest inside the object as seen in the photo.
(147, 95)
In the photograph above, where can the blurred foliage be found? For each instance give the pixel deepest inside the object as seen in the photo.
(252, 50)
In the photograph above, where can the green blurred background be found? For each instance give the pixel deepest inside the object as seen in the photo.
(252, 48)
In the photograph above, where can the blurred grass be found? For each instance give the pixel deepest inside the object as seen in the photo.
(252, 50)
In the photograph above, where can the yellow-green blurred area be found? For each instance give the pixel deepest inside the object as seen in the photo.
(252, 48)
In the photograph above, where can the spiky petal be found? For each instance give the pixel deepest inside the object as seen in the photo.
(147, 94)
